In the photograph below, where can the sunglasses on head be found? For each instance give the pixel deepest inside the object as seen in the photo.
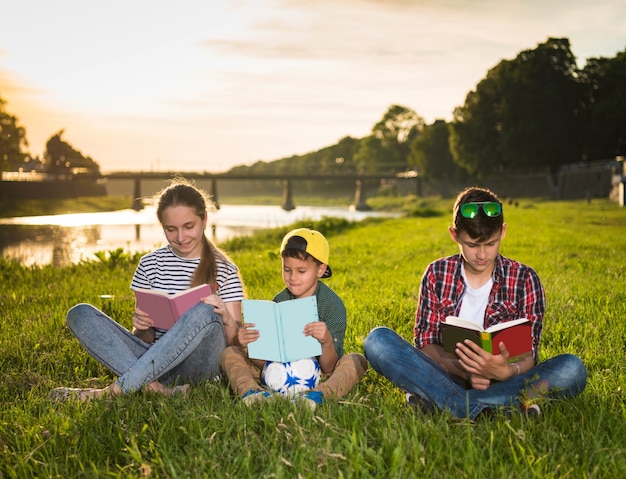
(490, 208)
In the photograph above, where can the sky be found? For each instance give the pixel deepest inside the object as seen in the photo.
(205, 85)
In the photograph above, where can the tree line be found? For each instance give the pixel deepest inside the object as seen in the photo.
(536, 111)
(59, 157)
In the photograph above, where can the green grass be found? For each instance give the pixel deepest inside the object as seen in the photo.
(579, 251)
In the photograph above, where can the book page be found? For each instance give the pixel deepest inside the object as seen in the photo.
(204, 290)
(263, 314)
(464, 323)
(295, 315)
(281, 326)
(506, 324)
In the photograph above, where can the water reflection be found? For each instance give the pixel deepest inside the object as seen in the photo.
(46, 244)
(60, 240)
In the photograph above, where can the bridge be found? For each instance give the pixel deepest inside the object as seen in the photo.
(287, 179)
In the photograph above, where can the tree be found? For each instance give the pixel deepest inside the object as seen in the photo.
(12, 141)
(526, 114)
(605, 80)
(371, 156)
(387, 148)
(62, 158)
(430, 153)
(339, 158)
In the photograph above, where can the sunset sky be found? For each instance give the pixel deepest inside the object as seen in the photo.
(204, 85)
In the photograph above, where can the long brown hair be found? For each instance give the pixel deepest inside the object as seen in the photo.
(181, 192)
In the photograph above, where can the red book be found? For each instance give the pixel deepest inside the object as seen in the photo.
(516, 335)
(165, 309)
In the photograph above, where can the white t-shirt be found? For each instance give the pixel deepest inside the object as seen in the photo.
(474, 301)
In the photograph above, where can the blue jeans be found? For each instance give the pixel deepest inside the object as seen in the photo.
(190, 350)
(411, 370)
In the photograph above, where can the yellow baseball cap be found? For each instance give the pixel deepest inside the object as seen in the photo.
(311, 241)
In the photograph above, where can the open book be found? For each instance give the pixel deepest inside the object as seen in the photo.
(516, 335)
(281, 327)
(165, 309)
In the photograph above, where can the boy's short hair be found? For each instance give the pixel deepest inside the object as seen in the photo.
(303, 243)
(480, 227)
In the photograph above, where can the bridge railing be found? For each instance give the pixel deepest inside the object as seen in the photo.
(286, 179)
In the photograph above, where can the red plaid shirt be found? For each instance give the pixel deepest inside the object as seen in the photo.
(516, 293)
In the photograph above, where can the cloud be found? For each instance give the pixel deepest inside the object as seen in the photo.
(242, 80)
(9, 85)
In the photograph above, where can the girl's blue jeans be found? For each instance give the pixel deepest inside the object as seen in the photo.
(189, 351)
(411, 370)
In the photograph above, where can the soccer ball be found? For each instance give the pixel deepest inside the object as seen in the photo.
(293, 377)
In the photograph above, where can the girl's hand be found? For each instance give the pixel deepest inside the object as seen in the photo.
(218, 305)
(141, 320)
(230, 313)
(220, 308)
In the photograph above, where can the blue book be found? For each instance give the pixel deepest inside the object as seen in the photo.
(281, 327)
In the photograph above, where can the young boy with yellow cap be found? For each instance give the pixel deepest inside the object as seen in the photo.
(304, 253)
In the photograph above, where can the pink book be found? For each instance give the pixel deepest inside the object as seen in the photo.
(165, 309)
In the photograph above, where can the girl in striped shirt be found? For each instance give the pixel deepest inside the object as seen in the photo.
(161, 361)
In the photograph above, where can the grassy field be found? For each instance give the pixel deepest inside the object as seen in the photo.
(578, 249)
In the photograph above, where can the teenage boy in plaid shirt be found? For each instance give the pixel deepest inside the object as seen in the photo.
(483, 286)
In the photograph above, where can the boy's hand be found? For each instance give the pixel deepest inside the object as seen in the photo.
(319, 331)
(247, 334)
(481, 365)
(479, 382)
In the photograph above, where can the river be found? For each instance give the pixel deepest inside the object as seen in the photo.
(61, 240)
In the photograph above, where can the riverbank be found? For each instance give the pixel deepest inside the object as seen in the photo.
(70, 238)
(16, 208)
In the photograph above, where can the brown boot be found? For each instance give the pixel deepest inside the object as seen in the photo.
(348, 372)
(242, 374)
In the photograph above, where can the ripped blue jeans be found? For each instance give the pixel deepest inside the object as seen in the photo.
(188, 352)
(411, 370)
